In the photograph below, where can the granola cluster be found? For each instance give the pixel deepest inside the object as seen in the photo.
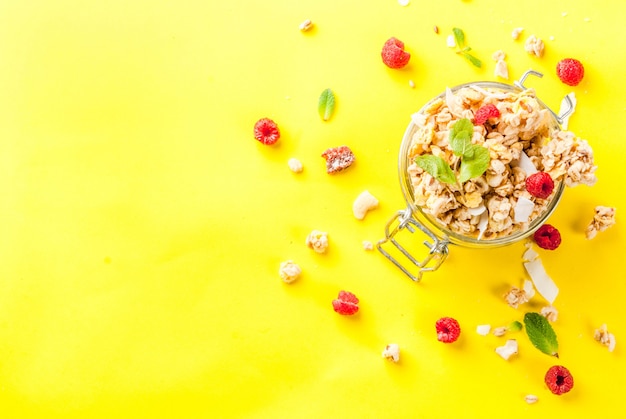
(523, 140)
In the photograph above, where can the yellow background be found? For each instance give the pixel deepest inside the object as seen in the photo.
(142, 226)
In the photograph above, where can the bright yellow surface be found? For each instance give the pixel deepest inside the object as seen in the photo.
(143, 226)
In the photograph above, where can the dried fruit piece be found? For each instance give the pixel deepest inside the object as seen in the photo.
(338, 159)
(346, 303)
(448, 329)
(392, 352)
(486, 112)
(570, 71)
(393, 53)
(289, 271)
(266, 131)
(540, 185)
(559, 380)
(547, 237)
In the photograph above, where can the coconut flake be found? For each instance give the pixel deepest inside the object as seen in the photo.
(529, 289)
(483, 329)
(508, 349)
(453, 103)
(565, 106)
(477, 211)
(450, 41)
(482, 224)
(530, 254)
(525, 164)
(542, 281)
(403, 2)
(523, 209)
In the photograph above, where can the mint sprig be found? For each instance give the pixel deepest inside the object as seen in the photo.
(474, 158)
(326, 104)
(541, 334)
(464, 50)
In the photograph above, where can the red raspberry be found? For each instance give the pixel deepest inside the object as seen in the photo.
(484, 113)
(448, 329)
(394, 55)
(559, 380)
(540, 185)
(570, 71)
(346, 303)
(266, 131)
(338, 159)
(547, 237)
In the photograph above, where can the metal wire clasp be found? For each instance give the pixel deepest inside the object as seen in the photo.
(438, 248)
(568, 101)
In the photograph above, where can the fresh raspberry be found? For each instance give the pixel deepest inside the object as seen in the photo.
(266, 131)
(547, 237)
(346, 303)
(485, 112)
(570, 71)
(448, 329)
(540, 185)
(338, 159)
(394, 55)
(559, 380)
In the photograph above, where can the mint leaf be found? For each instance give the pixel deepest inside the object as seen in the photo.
(326, 104)
(474, 163)
(436, 167)
(473, 59)
(461, 136)
(459, 37)
(541, 334)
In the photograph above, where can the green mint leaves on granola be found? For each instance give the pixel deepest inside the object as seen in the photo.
(474, 158)
(541, 334)
(326, 104)
(464, 50)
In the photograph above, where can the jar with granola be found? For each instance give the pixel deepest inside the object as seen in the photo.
(482, 165)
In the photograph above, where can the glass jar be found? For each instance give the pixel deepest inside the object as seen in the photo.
(415, 219)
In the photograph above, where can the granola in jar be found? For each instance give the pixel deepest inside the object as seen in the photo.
(523, 139)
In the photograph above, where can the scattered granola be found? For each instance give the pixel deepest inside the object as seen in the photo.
(550, 313)
(534, 46)
(295, 165)
(603, 218)
(306, 25)
(507, 350)
(515, 296)
(368, 245)
(603, 336)
(531, 398)
(392, 352)
(500, 331)
(501, 70)
(515, 34)
(363, 203)
(338, 159)
(318, 241)
(289, 271)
